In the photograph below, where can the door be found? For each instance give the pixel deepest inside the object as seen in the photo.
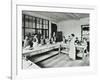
(53, 29)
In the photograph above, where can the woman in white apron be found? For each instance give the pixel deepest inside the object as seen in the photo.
(72, 47)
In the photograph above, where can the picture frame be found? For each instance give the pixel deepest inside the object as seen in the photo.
(16, 68)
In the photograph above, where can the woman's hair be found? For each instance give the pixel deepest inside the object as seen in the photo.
(73, 35)
(84, 38)
(76, 37)
(30, 43)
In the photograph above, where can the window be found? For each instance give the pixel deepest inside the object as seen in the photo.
(85, 31)
(34, 25)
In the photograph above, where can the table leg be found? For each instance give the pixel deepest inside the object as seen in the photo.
(59, 49)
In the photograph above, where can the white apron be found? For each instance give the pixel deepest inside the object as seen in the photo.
(72, 49)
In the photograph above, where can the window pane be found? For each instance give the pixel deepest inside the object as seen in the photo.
(30, 22)
(33, 19)
(43, 22)
(40, 21)
(46, 22)
(33, 22)
(22, 20)
(43, 26)
(37, 20)
(33, 25)
(38, 26)
(26, 21)
(46, 26)
(22, 33)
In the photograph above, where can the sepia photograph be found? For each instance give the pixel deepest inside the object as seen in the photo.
(55, 39)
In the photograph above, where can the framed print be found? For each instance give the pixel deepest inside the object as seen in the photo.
(52, 40)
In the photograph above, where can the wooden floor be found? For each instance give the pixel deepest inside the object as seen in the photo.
(53, 59)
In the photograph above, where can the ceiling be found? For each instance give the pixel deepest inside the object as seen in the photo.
(61, 16)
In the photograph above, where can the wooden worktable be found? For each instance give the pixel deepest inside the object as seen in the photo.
(40, 49)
